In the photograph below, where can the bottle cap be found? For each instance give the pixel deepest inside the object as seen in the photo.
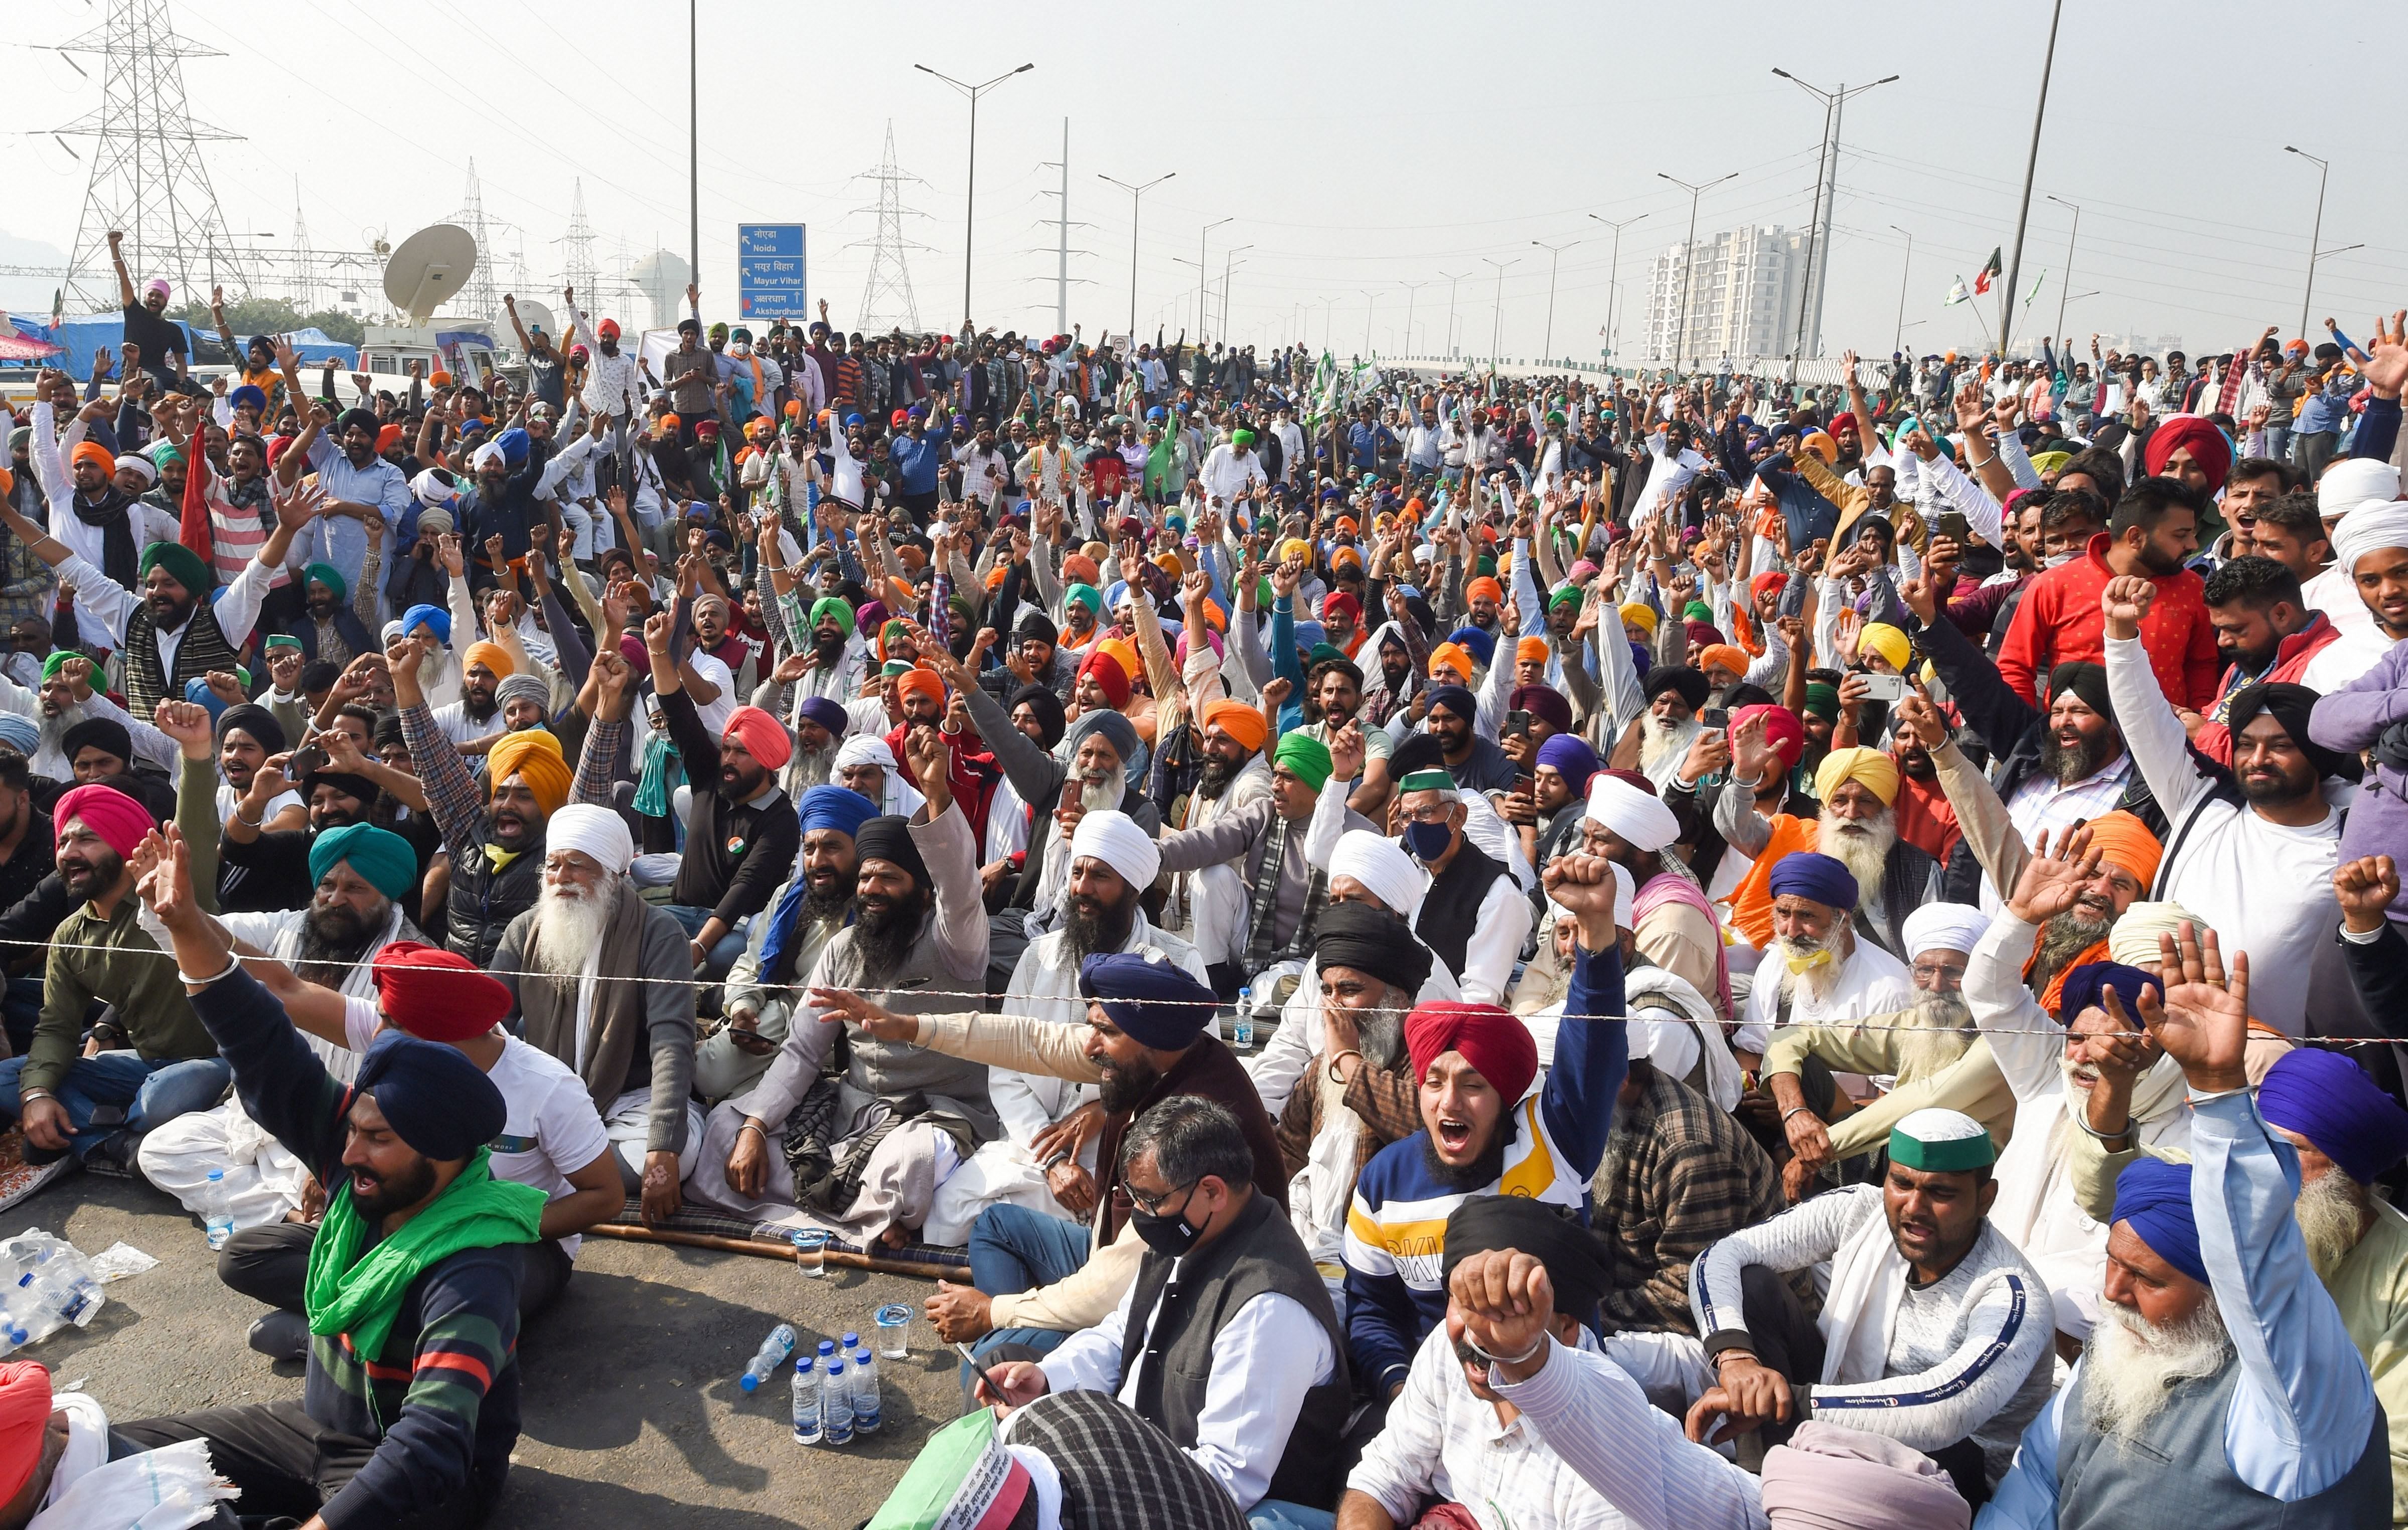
(851, 1341)
(827, 1348)
(748, 1382)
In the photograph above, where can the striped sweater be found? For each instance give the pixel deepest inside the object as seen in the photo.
(442, 1399)
(1395, 1230)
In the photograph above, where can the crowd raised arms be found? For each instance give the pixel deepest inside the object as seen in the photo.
(1650, 949)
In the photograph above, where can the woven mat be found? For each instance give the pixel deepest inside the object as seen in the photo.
(939, 1258)
(17, 1181)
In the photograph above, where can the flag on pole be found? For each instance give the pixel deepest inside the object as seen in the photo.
(1982, 278)
(1955, 294)
(2035, 287)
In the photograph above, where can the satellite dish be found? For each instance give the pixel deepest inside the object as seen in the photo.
(533, 315)
(431, 266)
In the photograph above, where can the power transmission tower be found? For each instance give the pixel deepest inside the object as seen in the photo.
(478, 298)
(580, 240)
(147, 180)
(306, 295)
(886, 298)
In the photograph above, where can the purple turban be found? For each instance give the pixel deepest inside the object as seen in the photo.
(1573, 760)
(2085, 983)
(2152, 1197)
(1811, 873)
(2328, 1099)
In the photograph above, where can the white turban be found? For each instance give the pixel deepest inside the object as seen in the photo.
(489, 453)
(861, 749)
(141, 467)
(596, 831)
(2133, 941)
(1942, 926)
(1623, 890)
(2374, 524)
(1385, 871)
(2353, 480)
(1630, 813)
(433, 491)
(1115, 838)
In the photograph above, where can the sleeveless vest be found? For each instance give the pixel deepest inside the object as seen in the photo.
(2176, 1472)
(1172, 1358)
(205, 648)
(483, 901)
(1450, 908)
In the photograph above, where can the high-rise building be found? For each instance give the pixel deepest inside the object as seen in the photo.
(1744, 290)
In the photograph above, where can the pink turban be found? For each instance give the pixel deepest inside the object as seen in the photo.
(762, 736)
(119, 820)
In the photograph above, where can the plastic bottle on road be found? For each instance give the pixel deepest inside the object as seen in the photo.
(772, 1354)
(1241, 1031)
(807, 1400)
(864, 1392)
(216, 1216)
(836, 1406)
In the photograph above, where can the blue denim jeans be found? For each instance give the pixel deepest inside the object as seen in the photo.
(1278, 1514)
(149, 1093)
(1013, 1249)
(724, 954)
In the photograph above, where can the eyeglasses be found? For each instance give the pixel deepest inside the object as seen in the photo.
(1152, 1205)
(1436, 812)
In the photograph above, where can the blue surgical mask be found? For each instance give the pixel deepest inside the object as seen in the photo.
(1428, 841)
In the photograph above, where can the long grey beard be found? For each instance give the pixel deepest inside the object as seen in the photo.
(1381, 1033)
(1658, 743)
(1939, 1030)
(2133, 1365)
(2332, 1213)
(568, 927)
(1862, 846)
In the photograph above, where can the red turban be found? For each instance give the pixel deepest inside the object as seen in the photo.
(1632, 777)
(762, 736)
(1339, 600)
(436, 995)
(1703, 633)
(1844, 420)
(1493, 1041)
(24, 1414)
(119, 820)
(1110, 675)
(2208, 446)
(1769, 579)
(1783, 732)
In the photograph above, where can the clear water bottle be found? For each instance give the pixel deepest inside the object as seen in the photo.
(865, 1394)
(1241, 1030)
(836, 1406)
(847, 1345)
(216, 1215)
(769, 1357)
(806, 1401)
(828, 1352)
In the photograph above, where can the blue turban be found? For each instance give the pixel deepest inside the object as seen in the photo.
(1456, 699)
(826, 712)
(1480, 644)
(197, 689)
(1810, 873)
(431, 616)
(2153, 1195)
(2328, 1099)
(20, 734)
(382, 857)
(837, 808)
(515, 444)
(1573, 760)
(2085, 983)
(1156, 1003)
(248, 396)
(435, 1100)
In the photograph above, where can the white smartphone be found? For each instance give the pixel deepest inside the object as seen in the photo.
(1886, 687)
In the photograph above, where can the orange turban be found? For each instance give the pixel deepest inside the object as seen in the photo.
(1530, 650)
(1483, 585)
(92, 451)
(2120, 837)
(1238, 721)
(1169, 563)
(1724, 655)
(920, 678)
(491, 656)
(534, 757)
(995, 577)
(1081, 569)
(1451, 656)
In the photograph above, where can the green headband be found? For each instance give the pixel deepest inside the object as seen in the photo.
(1952, 1155)
(1428, 780)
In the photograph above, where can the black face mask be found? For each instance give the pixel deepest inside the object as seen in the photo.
(1166, 1234)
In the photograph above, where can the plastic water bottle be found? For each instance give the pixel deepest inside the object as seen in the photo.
(828, 1352)
(847, 1345)
(806, 1401)
(1241, 1031)
(836, 1407)
(215, 1214)
(865, 1394)
(769, 1357)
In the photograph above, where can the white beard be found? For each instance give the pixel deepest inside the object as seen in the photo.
(1813, 984)
(2332, 1213)
(568, 926)
(1658, 742)
(1101, 796)
(1863, 847)
(2132, 1364)
(1939, 1030)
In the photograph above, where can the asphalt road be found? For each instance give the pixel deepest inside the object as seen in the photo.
(633, 1414)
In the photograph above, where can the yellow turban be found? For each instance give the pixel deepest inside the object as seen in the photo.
(1888, 641)
(534, 757)
(1876, 770)
(492, 656)
(1641, 616)
(1295, 548)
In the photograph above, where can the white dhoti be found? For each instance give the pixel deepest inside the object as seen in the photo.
(629, 1126)
(898, 1186)
(262, 1180)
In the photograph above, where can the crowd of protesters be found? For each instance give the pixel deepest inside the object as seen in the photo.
(1671, 950)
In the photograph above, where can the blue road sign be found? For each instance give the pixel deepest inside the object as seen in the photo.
(770, 270)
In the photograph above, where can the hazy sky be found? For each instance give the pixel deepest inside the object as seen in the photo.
(1357, 147)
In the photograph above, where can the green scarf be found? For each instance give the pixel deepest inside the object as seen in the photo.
(363, 1299)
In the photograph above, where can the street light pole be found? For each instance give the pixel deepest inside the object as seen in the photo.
(2031, 163)
(1371, 302)
(969, 196)
(1452, 277)
(1897, 341)
(2066, 287)
(1136, 193)
(1202, 281)
(1819, 243)
(1496, 323)
(1688, 257)
(1413, 291)
(1554, 256)
(1228, 266)
(1614, 290)
(2317, 234)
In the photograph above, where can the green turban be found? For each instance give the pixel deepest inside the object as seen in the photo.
(282, 640)
(1323, 653)
(1087, 595)
(1823, 700)
(1306, 757)
(1697, 610)
(1568, 595)
(1242, 437)
(331, 577)
(829, 606)
(181, 563)
(381, 857)
(57, 662)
